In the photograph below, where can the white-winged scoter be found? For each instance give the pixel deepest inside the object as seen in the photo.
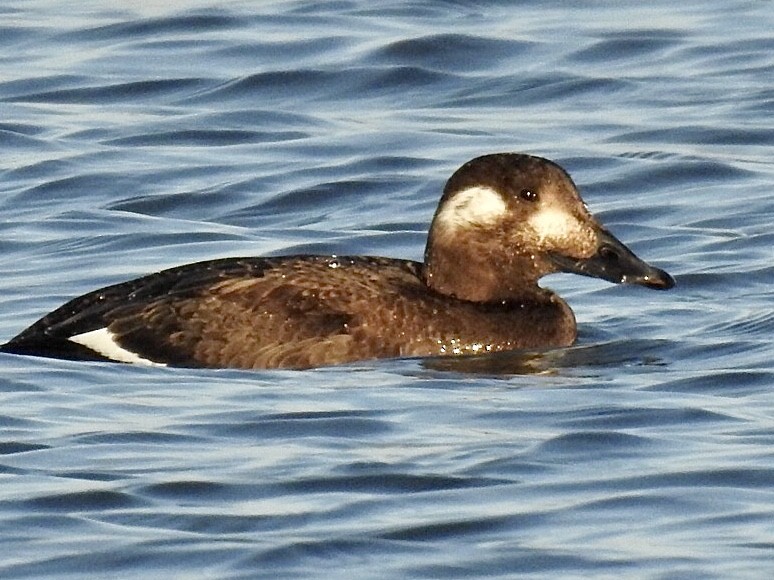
(504, 221)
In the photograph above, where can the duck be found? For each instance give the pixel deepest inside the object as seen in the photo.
(504, 221)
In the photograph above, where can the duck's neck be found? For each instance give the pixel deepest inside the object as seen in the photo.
(473, 274)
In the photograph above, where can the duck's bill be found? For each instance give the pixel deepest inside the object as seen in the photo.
(616, 263)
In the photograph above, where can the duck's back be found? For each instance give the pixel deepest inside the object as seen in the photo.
(296, 311)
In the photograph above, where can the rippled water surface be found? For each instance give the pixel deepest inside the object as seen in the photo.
(158, 133)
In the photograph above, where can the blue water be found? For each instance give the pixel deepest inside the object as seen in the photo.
(142, 137)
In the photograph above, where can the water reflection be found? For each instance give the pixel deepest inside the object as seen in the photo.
(630, 352)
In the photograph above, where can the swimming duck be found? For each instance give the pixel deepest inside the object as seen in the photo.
(504, 221)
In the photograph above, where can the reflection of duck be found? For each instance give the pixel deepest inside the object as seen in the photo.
(504, 221)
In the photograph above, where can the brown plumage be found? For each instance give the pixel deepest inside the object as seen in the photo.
(504, 221)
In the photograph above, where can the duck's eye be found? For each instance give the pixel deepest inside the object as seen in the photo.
(528, 195)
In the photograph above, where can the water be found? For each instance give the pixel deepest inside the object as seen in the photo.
(160, 133)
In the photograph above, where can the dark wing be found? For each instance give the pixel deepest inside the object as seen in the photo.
(237, 312)
(243, 321)
(49, 335)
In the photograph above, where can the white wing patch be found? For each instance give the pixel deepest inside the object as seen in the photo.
(472, 206)
(103, 342)
(552, 224)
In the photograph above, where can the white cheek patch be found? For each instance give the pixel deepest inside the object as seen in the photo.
(554, 225)
(472, 206)
(103, 342)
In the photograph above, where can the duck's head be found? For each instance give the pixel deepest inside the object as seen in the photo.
(505, 220)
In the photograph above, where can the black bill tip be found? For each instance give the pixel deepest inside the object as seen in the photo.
(655, 278)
